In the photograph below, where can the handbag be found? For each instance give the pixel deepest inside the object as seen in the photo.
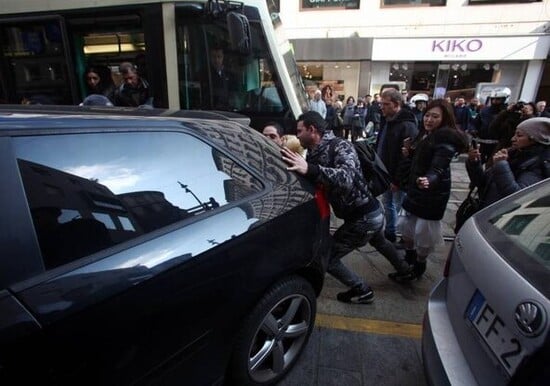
(470, 205)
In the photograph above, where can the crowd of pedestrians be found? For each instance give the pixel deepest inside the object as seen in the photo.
(507, 147)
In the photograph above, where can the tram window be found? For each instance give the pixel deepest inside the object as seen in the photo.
(37, 66)
(250, 84)
(105, 38)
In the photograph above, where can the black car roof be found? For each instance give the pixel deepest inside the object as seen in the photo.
(13, 112)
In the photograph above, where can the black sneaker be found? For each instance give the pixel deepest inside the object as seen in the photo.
(416, 272)
(402, 277)
(357, 295)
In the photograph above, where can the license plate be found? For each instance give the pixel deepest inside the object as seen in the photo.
(502, 343)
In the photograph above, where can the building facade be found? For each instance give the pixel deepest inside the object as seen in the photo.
(439, 47)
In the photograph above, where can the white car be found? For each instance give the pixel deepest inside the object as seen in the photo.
(487, 319)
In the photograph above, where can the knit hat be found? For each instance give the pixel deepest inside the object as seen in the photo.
(538, 129)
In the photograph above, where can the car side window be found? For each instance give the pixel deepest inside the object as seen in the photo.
(87, 192)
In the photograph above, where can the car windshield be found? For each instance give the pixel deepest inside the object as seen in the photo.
(520, 231)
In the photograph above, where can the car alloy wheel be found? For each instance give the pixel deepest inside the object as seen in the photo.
(275, 333)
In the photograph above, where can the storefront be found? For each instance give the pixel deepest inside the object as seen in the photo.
(458, 66)
(341, 63)
(439, 67)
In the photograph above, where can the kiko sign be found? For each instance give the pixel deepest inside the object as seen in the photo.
(456, 45)
(491, 48)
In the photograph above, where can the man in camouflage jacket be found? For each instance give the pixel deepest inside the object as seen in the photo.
(332, 162)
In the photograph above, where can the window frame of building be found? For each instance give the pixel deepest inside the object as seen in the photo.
(491, 2)
(412, 3)
(306, 5)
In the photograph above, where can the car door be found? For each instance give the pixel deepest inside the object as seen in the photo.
(136, 233)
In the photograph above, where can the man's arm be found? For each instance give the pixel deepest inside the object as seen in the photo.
(341, 173)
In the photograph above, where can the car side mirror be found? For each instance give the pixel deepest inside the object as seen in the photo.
(239, 33)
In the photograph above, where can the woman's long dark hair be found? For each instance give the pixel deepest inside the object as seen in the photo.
(105, 79)
(448, 120)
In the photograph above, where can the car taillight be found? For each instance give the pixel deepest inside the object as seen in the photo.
(322, 202)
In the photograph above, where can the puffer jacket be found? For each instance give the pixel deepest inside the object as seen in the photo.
(335, 165)
(524, 167)
(432, 158)
(395, 131)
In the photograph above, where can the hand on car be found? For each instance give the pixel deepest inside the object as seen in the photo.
(295, 161)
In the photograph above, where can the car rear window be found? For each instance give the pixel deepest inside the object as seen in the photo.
(519, 228)
(87, 192)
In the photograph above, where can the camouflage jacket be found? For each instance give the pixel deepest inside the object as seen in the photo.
(339, 171)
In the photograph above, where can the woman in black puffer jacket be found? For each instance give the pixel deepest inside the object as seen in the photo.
(525, 163)
(429, 185)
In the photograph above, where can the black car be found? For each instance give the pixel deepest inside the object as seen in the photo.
(153, 250)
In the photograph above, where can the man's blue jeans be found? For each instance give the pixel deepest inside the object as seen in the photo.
(392, 205)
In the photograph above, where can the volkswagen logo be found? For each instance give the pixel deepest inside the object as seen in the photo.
(530, 318)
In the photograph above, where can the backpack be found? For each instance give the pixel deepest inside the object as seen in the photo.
(375, 172)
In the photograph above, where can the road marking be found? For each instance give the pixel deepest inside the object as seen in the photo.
(407, 330)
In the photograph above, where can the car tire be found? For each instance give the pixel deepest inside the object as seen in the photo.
(274, 334)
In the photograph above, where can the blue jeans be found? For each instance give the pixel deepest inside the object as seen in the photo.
(392, 205)
(353, 234)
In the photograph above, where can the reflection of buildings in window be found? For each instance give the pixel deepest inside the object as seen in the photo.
(94, 211)
(518, 223)
(49, 187)
(246, 145)
(76, 217)
(528, 225)
(151, 209)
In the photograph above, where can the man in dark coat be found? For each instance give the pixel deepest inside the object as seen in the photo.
(484, 119)
(399, 125)
(134, 90)
(374, 113)
(221, 94)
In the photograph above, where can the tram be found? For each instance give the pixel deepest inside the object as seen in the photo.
(47, 46)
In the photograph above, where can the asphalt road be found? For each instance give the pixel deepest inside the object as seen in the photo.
(378, 343)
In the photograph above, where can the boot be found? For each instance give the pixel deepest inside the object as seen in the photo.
(416, 272)
(410, 256)
(408, 274)
(419, 268)
(403, 275)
